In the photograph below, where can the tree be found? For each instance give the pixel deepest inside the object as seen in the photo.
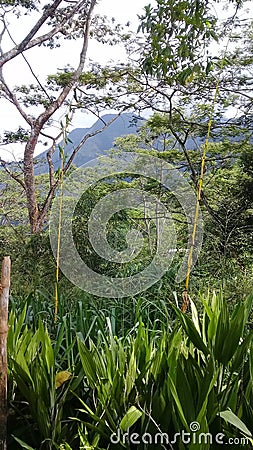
(59, 19)
(227, 247)
(183, 77)
(65, 21)
(168, 70)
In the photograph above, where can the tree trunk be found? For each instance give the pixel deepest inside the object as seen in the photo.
(4, 301)
(29, 180)
(36, 217)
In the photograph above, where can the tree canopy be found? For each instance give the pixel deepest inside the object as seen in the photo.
(170, 68)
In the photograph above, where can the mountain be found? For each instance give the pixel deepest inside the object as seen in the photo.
(94, 146)
(100, 143)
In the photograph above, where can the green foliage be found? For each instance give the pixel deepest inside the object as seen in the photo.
(12, 202)
(230, 417)
(20, 135)
(151, 380)
(140, 365)
(177, 33)
(173, 380)
(97, 78)
(226, 257)
(27, 4)
(32, 372)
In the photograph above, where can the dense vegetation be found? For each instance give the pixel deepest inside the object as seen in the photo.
(134, 372)
(144, 365)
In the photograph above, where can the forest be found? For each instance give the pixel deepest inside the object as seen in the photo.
(126, 304)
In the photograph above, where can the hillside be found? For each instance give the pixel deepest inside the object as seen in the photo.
(94, 146)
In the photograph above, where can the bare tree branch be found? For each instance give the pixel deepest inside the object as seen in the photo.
(29, 65)
(15, 177)
(85, 138)
(26, 43)
(13, 99)
(45, 207)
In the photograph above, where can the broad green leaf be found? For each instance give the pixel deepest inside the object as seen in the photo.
(191, 331)
(87, 363)
(186, 387)
(195, 317)
(209, 381)
(131, 373)
(230, 417)
(173, 391)
(129, 419)
(241, 353)
(221, 333)
(248, 306)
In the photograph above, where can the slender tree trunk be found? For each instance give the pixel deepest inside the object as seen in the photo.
(29, 180)
(36, 218)
(4, 301)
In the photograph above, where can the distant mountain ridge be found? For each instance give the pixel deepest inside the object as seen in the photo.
(100, 143)
(94, 146)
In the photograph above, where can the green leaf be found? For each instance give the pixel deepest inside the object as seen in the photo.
(186, 387)
(23, 444)
(241, 353)
(131, 373)
(129, 419)
(172, 389)
(88, 364)
(195, 317)
(230, 417)
(191, 331)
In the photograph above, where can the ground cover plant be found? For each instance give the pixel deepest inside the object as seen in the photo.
(85, 387)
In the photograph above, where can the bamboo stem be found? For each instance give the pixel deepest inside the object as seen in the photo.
(4, 301)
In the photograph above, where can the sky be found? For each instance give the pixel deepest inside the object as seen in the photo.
(44, 62)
